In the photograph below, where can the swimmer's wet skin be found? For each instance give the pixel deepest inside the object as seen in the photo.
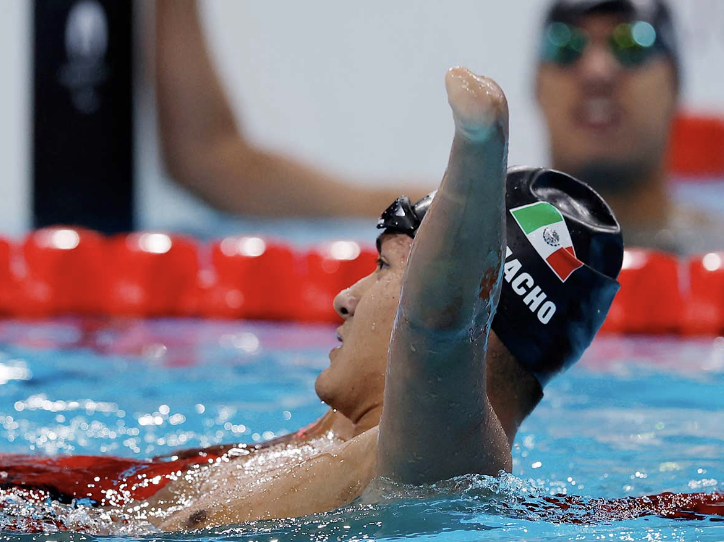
(437, 421)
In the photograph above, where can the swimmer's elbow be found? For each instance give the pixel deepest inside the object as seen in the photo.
(180, 159)
(211, 171)
(189, 157)
(174, 166)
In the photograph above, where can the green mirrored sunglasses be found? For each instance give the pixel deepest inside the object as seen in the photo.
(632, 44)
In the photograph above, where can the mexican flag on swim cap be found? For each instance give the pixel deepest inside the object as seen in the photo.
(564, 253)
(546, 230)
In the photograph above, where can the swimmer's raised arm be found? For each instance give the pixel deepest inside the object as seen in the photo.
(206, 150)
(437, 421)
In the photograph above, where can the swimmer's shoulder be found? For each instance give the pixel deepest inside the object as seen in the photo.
(329, 475)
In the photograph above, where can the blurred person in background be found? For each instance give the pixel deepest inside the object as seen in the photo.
(205, 150)
(608, 85)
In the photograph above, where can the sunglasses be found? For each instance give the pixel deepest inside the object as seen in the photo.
(632, 44)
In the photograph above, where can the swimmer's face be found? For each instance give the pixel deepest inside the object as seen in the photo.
(355, 380)
(600, 112)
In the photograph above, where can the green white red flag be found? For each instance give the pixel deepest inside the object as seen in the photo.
(546, 229)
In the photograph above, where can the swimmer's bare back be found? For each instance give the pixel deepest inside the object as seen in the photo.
(437, 421)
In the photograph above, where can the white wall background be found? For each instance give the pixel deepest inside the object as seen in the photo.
(355, 87)
(15, 134)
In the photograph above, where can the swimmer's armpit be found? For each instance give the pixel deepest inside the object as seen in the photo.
(437, 422)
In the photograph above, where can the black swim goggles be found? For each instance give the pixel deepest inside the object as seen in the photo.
(632, 44)
(404, 217)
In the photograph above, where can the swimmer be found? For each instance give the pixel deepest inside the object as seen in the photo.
(422, 390)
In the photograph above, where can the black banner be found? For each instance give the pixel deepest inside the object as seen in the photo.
(83, 114)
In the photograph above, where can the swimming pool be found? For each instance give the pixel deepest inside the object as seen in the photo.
(637, 416)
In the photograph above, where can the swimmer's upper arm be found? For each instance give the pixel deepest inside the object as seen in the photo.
(437, 421)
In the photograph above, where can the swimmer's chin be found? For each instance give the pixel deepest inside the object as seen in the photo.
(320, 389)
(328, 388)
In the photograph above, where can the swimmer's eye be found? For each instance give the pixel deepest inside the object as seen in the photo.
(381, 264)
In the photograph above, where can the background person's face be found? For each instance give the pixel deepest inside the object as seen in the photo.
(601, 113)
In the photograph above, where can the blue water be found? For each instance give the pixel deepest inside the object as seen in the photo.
(637, 416)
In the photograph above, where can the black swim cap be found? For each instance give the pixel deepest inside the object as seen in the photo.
(564, 253)
(655, 12)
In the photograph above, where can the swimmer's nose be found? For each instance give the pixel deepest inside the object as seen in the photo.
(345, 303)
(598, 66)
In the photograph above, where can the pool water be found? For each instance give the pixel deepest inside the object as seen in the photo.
(637, 416)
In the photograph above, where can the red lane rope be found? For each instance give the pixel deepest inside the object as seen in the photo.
(74, 271)
(697, 146)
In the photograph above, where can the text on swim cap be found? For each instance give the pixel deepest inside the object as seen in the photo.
(524, 285)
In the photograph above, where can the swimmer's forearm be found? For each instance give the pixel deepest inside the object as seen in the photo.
(236, 177)
(437, 421)
(454, 265)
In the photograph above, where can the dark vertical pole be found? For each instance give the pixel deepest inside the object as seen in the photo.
(83, 114)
